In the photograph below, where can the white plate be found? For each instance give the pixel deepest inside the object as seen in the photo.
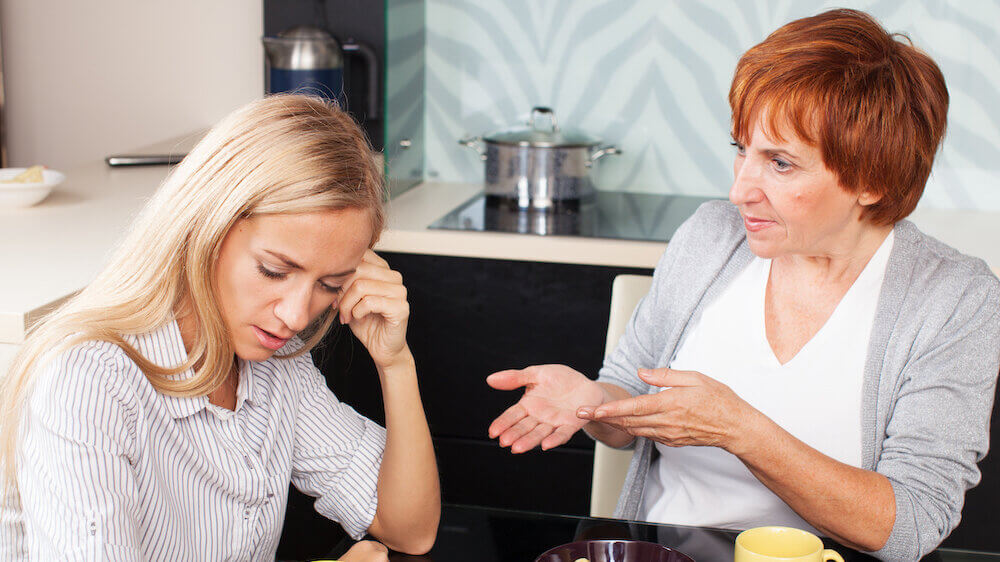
(16, 195)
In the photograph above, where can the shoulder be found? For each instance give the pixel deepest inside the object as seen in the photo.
(940, 299)
(714, 226)
(82, 364)
(714, 222)
(705, 242)
(87, 377)
(941, 275)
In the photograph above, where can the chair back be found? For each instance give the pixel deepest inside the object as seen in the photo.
(611, 465)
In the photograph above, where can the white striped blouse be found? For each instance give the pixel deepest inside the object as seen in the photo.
(110, 469)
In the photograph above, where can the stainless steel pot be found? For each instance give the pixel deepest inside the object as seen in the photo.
(540, 166)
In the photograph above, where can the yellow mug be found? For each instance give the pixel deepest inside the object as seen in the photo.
(770, 544)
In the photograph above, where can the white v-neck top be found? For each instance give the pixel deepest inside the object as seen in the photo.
(111, 469)
(815, 396)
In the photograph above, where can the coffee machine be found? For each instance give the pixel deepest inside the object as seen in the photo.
(310, 60)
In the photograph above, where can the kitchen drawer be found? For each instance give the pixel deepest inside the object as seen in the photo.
(482, 473)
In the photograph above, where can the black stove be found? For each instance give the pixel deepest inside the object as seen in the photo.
(607, 214)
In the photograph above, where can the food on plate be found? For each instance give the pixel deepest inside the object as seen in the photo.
(581, 560)
(30, 175)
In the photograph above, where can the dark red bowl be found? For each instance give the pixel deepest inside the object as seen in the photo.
(613, 551)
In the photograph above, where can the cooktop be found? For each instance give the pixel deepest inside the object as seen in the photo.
(608, 214)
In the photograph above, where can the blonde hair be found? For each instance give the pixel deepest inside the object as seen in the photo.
(282, 154)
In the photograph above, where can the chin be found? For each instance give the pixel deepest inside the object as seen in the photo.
(254, 353)
(764, 250)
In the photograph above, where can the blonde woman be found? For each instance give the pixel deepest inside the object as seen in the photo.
(162, 412)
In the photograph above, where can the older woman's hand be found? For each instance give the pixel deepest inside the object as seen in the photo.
(546, 414)
(693, 409)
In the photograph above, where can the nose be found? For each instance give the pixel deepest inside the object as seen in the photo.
(293, 309)
(746, 187)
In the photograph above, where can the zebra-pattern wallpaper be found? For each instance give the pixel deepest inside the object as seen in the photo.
(651, 77)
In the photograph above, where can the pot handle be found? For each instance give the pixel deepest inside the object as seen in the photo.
(475, 143)
(602, 152)
(546, 111)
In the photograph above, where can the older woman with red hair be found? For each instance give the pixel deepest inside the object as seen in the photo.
(805, 356)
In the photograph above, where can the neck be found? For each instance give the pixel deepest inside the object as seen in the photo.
(187, 323)
(841, 264)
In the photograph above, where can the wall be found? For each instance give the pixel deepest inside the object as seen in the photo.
(87, 79)
(651, 76)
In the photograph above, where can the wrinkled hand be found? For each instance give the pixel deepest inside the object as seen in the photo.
(366, 551)
(693, 409)
(547, 413)
(374, 305)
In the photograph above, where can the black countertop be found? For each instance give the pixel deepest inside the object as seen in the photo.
(608, 214)
(469, 533)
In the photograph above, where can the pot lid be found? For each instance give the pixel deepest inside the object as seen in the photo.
(542, 131)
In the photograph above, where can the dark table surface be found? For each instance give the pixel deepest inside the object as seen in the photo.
(498, 535)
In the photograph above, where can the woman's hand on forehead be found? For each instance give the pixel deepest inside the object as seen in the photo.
(374, 305)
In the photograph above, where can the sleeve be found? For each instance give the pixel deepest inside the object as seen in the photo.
(643, 340)
(939, 426)
(12, 546)
(336, 456)
(74, 475)
(637, 347)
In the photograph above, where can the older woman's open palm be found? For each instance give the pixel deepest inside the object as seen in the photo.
(546, 414)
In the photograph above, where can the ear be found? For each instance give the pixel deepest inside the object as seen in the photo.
(866, 198)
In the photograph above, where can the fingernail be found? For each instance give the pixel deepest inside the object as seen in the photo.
(584, 412)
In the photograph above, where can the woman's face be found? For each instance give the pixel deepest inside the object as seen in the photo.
(277, 273)
(790, 202)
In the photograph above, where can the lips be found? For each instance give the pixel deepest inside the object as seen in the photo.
(754, 224)
(269, 340)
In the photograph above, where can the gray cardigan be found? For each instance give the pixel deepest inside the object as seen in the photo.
(929, 376)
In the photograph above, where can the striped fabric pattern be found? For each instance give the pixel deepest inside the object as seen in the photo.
(110, 469)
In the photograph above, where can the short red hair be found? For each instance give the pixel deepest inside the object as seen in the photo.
(875, 107)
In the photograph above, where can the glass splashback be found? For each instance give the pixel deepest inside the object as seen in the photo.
(405, 70)
(651, 77)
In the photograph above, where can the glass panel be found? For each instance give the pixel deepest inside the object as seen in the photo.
(405, 45)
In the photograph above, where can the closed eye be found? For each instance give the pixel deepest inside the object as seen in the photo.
(330, 288)
(269, 273)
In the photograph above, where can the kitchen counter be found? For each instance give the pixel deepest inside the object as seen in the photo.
(55, 248)
(412, 212)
